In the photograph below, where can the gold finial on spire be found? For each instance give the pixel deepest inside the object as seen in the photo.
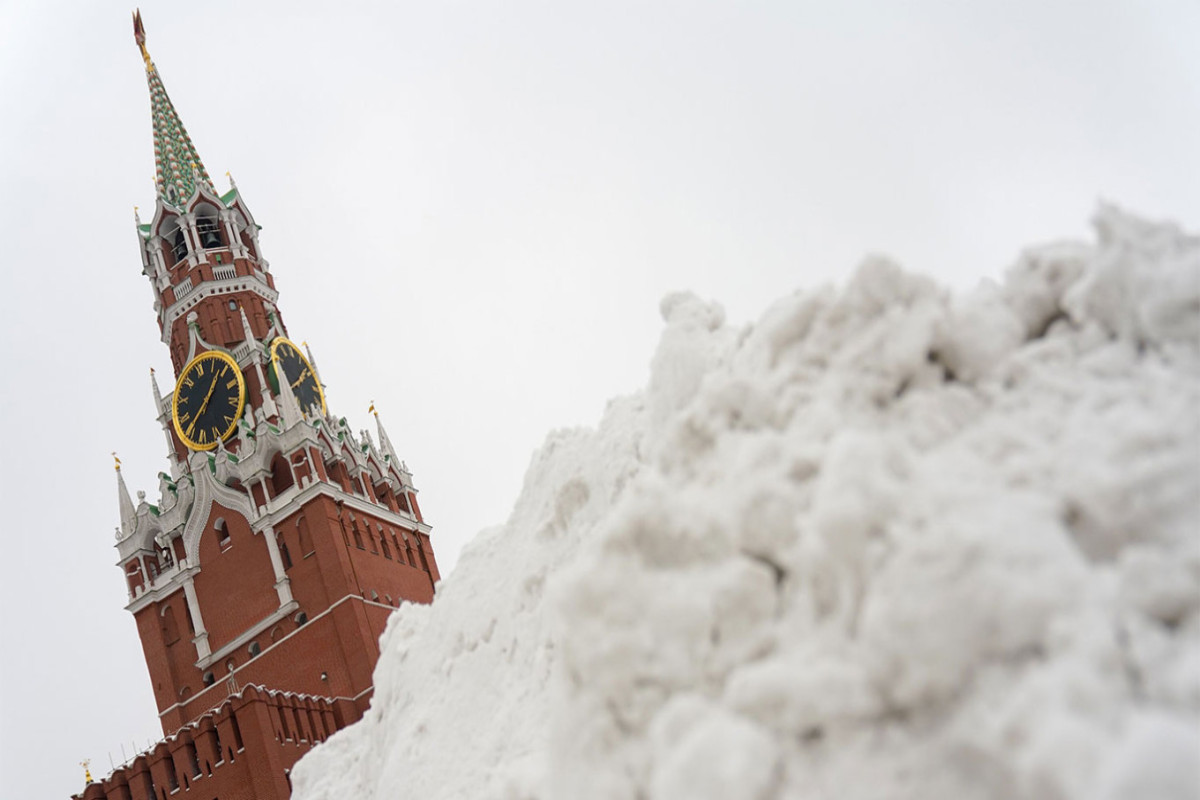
(372, 409)
(87, 772)
(139, 36)
(117, 461)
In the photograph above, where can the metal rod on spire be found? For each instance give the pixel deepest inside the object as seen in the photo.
(139, 36)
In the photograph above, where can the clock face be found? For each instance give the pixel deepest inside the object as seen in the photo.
(209, 399)
(291, 365)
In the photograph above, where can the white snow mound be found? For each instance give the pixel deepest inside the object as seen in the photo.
(885, 543)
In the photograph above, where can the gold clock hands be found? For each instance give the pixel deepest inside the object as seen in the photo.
(300, 380)
(204, 405)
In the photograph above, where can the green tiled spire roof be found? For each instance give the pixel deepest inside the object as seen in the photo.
(177, 165)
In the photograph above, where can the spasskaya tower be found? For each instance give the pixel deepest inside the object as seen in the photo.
(280, 541)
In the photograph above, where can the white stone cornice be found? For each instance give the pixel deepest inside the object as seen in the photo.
(275, 514)
(241, 283)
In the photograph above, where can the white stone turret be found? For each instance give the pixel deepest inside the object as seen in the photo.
(289, 408)
(164, 420)
(313, 362)
(268, 405)
(158, 400)
(128, 513)
(385, 444)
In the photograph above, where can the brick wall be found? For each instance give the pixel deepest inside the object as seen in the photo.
(242, 750)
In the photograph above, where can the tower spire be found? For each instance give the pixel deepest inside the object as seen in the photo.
(157, 393)
(289, 407)
(385, 444)
(177, 165)
(128, 514)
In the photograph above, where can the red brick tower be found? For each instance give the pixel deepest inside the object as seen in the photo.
(262, 578)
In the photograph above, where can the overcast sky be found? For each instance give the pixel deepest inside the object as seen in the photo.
(472, 210)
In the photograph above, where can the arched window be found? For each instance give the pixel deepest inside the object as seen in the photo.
(222, 529)
(170, 626)
(178, 244)
(243, 231)
(133, 575)
(284, 554)
(306, 545)
(383, 544)
(281, 474)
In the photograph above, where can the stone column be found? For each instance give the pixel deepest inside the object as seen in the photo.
(235, 244)
(197, 252)
(155, 246)
(283, 585)
(201, 637)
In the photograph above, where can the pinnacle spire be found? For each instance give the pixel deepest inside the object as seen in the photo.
(246, 329)
(289, 409)
(157, 393)
(128, 513)
(177, 165)
(385, 444)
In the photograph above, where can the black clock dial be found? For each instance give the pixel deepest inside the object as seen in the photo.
(209, 399)
(291, 365)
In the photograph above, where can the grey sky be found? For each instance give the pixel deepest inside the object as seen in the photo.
(472, 209)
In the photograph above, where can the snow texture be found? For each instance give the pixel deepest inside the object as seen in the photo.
(885, 543)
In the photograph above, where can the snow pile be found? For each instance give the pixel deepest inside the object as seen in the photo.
(885, 543)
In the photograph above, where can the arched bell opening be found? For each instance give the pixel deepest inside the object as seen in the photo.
(209, 228)
(175, 243)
